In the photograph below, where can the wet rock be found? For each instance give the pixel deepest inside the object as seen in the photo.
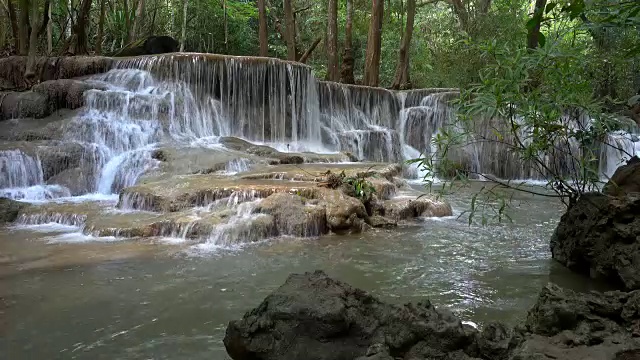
(51, 68)
(60, 157)
(409, 208)
(293, 217)
(344, 213)
(315, 317)
(23, 105)
(567, 325)
(599, 236)
(291, 159)
(625, 180)
(65, 93)
(378, 221)
(385, 189)
(10, 209)
(77, 180)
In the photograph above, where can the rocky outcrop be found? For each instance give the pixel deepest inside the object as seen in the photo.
(625, 180)
(50, 68)
(10, 209)
(344, 213)
(408, 208)
(45, 98)
(567, 325)
(315, 317)
(599, 236)
(293, 216)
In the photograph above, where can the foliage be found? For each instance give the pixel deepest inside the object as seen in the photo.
(362, 187)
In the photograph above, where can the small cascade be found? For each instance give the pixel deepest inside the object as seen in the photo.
(18, 170)
(244, 226)
(616, 150)
(52, 217)
(237, 166)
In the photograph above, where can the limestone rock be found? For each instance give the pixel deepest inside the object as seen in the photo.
(378, 221)
(314, 317)
(407, 208)
(566, 325)
(23, 105)
(10, 209)
(65, 93)
(76, 180)
(625, 180)
(599, 236)
(344, 213)
(293, 217)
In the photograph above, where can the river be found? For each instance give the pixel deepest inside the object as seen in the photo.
(66, 298)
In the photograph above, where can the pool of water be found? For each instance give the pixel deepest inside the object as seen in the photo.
(152, 299)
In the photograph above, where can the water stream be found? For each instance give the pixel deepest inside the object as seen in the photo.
(146, 299)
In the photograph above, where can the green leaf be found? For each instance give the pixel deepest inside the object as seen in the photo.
(531, 24)
(550, 7)
(542, 40)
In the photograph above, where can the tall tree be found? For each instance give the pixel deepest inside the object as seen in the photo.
(290, 31)
(374, 43)
(184, 25)
(49, 29)
(401, 78)
(346, 74)
(100, 36)
(3, 29)
(333, 73)
(262, 18)
(30, 68)
(13, 18)
(24, 27)
(80, 29)
(533, 37)
(138, 20)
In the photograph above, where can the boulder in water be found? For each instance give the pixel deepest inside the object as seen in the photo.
(599, 236)
(408, 208)
(293, 217)
(314, 317)
(567, 325)
(26, 104)
(344, 213)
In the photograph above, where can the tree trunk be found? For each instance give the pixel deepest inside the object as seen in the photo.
(401, 79)
(290, 31)
(80, 29)
(333, 73)
(24, 27)
(100, 36)
(461, 13)
(49, 32)
(226, 27)
(533, 38)
(262, 17)
(30, 69)
(3, 29)
(184, 25)
(374, 40)
(305, 56)
(346, 75)
(138, 20)
(127, 21)
(14, 24)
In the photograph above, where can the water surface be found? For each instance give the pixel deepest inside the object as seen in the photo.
(106, 298)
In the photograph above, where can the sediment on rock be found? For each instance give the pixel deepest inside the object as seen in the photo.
(10, 210)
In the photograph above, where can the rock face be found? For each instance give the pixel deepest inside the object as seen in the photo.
(599, 237)
(315, 317)
(566, 325)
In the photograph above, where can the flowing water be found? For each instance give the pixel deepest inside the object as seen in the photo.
(80, 279)
(65, 295)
